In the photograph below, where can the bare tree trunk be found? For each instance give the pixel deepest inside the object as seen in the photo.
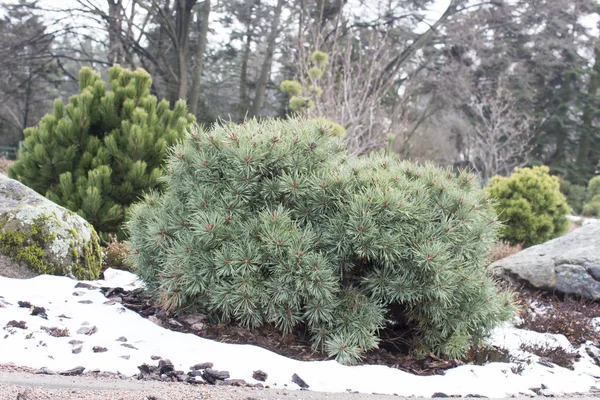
(203, 28)
(182, 26)
(115, 45)
(129, 37)
(244, 72)
(165, 34)
(559, 155)
(244, 78)
(588, 114)
(113, 20)
(265, 71)
(27, 105)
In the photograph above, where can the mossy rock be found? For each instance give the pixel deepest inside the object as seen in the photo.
(44, 237)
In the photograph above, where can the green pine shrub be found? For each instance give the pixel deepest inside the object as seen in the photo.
(592, 209)
(531, 204)
(574, 193)
(592, 205)
(100, 152)
(594, 187)
(273, 223)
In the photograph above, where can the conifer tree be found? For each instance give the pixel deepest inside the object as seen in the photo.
(99, 153)
(273, 223)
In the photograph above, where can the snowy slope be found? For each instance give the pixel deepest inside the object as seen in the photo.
(34, 347)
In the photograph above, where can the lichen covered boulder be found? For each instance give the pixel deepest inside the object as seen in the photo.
(41, 237)
(569, 264)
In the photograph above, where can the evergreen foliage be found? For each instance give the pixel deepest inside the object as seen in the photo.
(592, 209)
(304, 99)
(273, 223)
(592, 205)
(319, 58)
(531, 204)
(574, 193)
(100, 152)
(594, 186)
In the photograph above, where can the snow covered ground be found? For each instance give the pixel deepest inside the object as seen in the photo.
(93, 324)
(583, 220)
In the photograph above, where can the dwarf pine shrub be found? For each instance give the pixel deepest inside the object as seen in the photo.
(97, 154)
(272, 223)
(531, 205)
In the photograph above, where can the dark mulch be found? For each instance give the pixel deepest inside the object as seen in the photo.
(392, 351)
(297, 346)
(567, 316)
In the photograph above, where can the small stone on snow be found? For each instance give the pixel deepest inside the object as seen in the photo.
(259, 375)
(16, 324)
(73, 371)
(202, 366)
(299, 381)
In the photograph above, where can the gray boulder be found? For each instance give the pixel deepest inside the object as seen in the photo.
(38, 236)
(569, 264)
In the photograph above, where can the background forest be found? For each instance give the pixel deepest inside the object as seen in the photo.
(488, 85)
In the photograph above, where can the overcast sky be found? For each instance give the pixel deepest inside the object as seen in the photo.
(436, 10)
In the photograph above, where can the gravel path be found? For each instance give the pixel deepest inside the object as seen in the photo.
(21, 384)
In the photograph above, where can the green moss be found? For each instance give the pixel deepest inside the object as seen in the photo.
(10, 239)
(74, 252)
(37, 230)
(28, 248)
(92, 255)
(33, 256)
(17, 246)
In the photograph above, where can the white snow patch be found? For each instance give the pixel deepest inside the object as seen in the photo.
(583, 220)
(35, 348)
(119, 278)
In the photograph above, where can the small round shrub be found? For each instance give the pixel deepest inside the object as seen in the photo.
(594, 187)
(591, 209)
(575, 195)
(592, 205)
(273, 223)
(531, 205)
